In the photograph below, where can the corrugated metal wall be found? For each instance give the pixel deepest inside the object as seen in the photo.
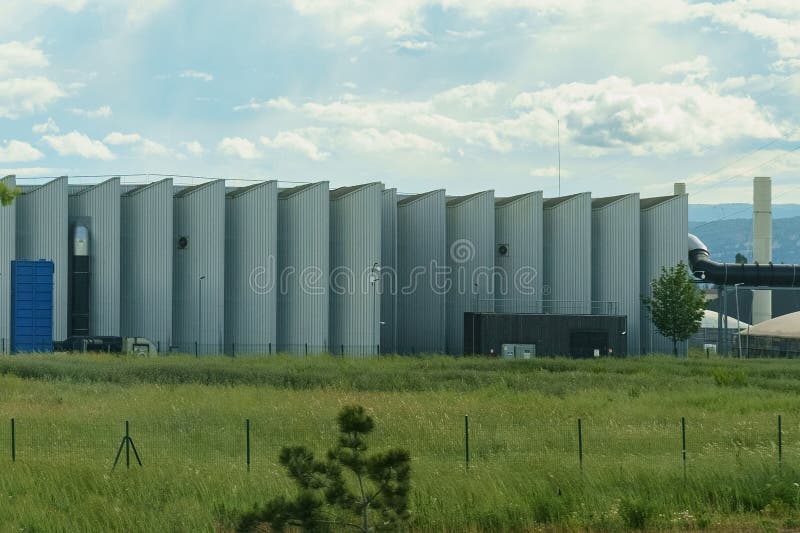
(303, 267)
(664, 223)
(8, 237)
(421, 260)
(101, 203)
(355, 260)
(42, 226)
(146, 266)
(388, 335)
(615, 259)
(198, 276)
(470, 258)
(568, 254)
(519, 226)
(251, 252)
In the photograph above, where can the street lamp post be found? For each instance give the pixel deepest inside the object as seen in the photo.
(199, 311)
(738, 327)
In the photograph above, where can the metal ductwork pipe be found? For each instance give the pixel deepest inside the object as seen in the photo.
(752, 275)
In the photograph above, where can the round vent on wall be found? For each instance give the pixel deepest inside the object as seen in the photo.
(502, 250)
(183, 242)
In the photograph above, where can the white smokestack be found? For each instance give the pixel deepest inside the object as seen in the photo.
(762, 243)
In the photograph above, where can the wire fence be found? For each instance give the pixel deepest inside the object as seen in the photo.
(679, 446)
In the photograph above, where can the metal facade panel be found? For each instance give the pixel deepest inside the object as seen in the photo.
(355, 260)
(421, 257)
(8, 237)
(519, 226)
(251, 252)
(388, 336)
(42, 226)
(198, 276)
(303, 267)
(470, 261)
(146, 263)
(615, 260)
(101, 203)
(567, 286)
(665, 224)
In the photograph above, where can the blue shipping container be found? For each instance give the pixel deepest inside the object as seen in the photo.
(31, 306)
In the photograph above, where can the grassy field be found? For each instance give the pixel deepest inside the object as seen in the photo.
(188, 419)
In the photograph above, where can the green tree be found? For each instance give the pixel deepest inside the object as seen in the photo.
(676, 305)
(7, 194)
(346, 490)
(740, 259)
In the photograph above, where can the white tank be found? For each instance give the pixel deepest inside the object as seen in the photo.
(762, 243)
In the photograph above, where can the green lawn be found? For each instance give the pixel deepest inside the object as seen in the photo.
(188, 421)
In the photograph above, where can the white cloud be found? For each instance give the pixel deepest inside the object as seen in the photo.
(16, 56)
(117, 138)
(696, 69)
(468, 34)
(773, 20)
(297, 142)
(148, 147)
(18, 152)
(414, 45)
(194, 74)
(101, 112)
(78, 144)
(547, 172)
(193, 147)
(140, 11)
(30, 95)
(69, 5)
(238, 147)
(476, 95)
(659, 118)
(283, 104)
(350, 85)
(46, 127)
(373, 140)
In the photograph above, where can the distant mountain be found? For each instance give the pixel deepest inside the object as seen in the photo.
(726, 238)
(707, 212)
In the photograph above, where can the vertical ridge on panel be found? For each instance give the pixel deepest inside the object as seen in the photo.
(421, 264)
(251, 250)
(42, 233)
(198, 309)
(518, 253)
(355, 261)
(8, 238)
(568, 254)
(664, 226)
(389, 281)
(615, 261)
(303, 268)
(100, 204)
(146, 263)
(470, 258)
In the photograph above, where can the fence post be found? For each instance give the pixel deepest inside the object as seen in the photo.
(196, 353)
(233, 349)
(248, 443)
(306, 348)
(269, 349)
(13, 442)
(580, 445)
(342, 352)
(466, 439)
(780, 446)
(683, 445)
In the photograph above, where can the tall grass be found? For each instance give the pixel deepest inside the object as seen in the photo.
(188, 416)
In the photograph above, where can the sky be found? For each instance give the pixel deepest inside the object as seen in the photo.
(465, 95)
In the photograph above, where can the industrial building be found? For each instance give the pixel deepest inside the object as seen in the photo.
(212, 269)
